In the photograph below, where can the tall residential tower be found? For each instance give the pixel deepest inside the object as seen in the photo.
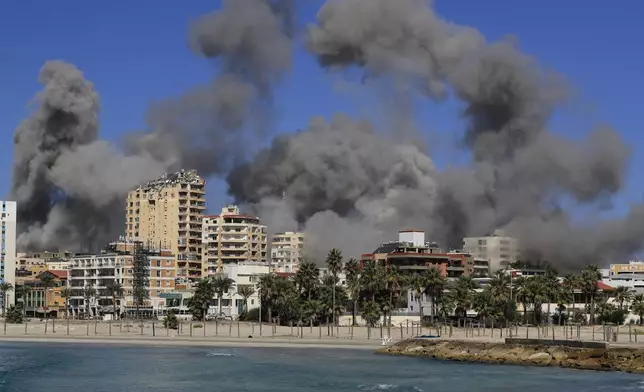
(166, 213)
(231, 237)
(8, 246)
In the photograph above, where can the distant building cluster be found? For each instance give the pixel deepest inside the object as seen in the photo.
(183, 245)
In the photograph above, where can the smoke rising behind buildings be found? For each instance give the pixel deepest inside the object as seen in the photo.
(348, 183)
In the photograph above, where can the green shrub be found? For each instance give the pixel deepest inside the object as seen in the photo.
(14, 315)
(171, 321)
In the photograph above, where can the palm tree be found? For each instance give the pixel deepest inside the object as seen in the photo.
(246, 291)
(313, 310)
(221, 284)
(4, 288)
(623, 294)
(395, 282)
(571, 283)
(551, 287)
(47, 282)
(589, 278)
(114, 290)
(201, 299)
(418, 285)
(307, 278)
(435, 283)
(89, 292)
(24, 293)
(66, 293)
(522, 295)
(334, 264)
(463, 293)
(637, 307)
(267, 289)
(352, 270)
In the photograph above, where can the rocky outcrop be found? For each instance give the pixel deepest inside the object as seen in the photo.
(606, 359)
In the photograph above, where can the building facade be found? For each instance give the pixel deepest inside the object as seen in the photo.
(166, 213)
(8, 215)
(286, 251)
(629, 275)
(230, 238)
(99, 271)
(244, 274)
(41, 301)
(498, 249)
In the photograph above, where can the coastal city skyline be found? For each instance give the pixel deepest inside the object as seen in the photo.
(224, 194)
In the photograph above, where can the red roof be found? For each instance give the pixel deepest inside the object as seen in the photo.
(285, 274)
(604, 287)
(59, 274)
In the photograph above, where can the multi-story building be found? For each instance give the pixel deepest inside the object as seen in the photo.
(166, 213)
(286, 251)
(230, 238)
(629, 275)
(244, 274)
(412, 254)
(498, 249)
(41, 301)
(8, 248)
(117, 265)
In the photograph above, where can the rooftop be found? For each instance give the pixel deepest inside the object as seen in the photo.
(189, 177)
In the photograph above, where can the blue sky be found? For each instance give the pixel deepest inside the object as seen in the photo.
(135, 52)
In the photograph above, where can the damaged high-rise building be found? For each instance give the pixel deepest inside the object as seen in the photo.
(167, 212)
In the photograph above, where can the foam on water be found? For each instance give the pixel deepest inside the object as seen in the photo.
(217, 354)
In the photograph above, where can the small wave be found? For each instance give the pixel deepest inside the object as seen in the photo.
(376, 387)
(220, 355)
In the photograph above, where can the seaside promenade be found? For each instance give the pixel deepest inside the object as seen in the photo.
(247, 333)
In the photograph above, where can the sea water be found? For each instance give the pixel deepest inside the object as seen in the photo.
(110, 368)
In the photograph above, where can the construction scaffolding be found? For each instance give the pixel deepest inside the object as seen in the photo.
(140, 276)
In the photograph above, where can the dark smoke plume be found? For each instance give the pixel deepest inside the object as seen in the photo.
(345, 182)
(70, 187)
(520, 174)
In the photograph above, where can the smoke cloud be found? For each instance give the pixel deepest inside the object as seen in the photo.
(520, 174)
(70, 186)
(346, 182)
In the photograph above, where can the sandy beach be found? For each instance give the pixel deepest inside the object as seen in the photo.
(235, 333)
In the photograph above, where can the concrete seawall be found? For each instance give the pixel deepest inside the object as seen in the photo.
(589, 357)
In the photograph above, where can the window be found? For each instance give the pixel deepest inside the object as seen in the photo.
(482, 242)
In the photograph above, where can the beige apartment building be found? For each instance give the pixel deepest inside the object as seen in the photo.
(230, 238)
(498, 249)
(286, 251)
(166, 213)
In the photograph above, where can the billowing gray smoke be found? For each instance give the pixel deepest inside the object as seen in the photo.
(212, 127)
(347, 183)
(360, 183)
(70, 186)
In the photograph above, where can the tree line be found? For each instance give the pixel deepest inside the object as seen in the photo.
(375, 291)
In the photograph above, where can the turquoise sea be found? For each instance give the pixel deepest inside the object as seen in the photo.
(81, 367)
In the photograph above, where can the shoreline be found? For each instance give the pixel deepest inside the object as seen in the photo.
(194, 342)
(620, 359)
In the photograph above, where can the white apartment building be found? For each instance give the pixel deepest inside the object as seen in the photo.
(8, 215)
(230, 238)
(98, 271)
(244, 274)
(95, 271)
(286, 251)
(629, 275)
(498, 249)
